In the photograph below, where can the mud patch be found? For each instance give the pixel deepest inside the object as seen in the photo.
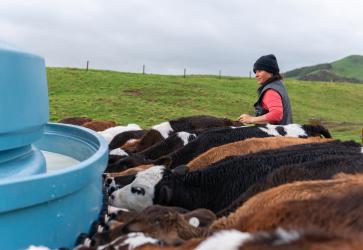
(133, 92)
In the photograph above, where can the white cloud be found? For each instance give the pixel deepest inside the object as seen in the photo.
(168, 36)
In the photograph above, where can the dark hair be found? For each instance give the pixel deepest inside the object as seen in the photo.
(273, 78)
(277, 76)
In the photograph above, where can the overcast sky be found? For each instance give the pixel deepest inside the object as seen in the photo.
(203, 36)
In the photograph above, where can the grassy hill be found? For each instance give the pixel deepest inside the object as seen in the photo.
(351, 66)
(150, 99)
(348, 69)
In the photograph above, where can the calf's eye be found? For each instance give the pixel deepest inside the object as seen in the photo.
(138, 190)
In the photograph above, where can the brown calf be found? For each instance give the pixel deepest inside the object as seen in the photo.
(99, 125)
(248, 146)
(75, 120)
(131, 145)
(323, 203)
(172, 225)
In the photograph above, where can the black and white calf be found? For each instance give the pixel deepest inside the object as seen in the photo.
(220, 136)
(110, 133)
(172, 143)
(161, 148)
(192, 123)
(221, 183)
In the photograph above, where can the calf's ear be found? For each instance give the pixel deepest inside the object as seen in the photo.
(165, 195)
(180, 170)
(164, 160)
(124, 180)
(200, 217)
(119, 218)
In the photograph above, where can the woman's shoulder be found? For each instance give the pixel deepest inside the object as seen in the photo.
(271, 94)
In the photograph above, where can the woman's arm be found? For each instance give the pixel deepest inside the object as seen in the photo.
(273, 103)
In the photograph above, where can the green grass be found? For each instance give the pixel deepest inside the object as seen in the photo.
(151, 99)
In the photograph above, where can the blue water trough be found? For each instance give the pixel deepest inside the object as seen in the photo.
(50, 174)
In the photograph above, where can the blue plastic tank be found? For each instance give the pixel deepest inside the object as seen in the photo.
(38, 207)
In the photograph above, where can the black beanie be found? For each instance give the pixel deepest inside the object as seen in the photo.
(267, 63)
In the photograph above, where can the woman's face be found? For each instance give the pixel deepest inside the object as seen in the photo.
(262, 76)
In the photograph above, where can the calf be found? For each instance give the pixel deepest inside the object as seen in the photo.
(340, 210)
(217, 137)
(320, 169)
(124, 242)
(130, 145)
(279, 239)
(248, 146)
(131, 171)
(99, 125)
(217, 186)
(75, 120)
(169, 224)
(302, 204)
(110, 133)
(148, 156)
(121, 138)
(191, 123)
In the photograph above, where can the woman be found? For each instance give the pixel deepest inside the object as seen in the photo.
(273, 103)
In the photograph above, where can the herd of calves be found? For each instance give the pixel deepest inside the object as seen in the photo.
(204, 183)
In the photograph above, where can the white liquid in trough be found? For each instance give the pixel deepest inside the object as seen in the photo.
(57, 161)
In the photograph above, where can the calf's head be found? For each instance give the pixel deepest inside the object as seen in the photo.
(139, 194)
(169, 224)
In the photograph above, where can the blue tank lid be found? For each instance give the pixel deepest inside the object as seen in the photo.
(24, 108)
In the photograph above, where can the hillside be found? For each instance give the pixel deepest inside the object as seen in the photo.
(348, 69)
(151, 99)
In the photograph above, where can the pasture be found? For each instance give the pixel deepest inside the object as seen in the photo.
(150, 99)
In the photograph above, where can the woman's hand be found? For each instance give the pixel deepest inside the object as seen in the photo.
(244, 118)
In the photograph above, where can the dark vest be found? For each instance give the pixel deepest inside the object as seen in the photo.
(279, 87)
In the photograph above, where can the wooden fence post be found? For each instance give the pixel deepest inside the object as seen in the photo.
(87, 65)
(185, 72)
(143, 69)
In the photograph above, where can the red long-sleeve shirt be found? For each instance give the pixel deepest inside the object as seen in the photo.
(273, 103)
